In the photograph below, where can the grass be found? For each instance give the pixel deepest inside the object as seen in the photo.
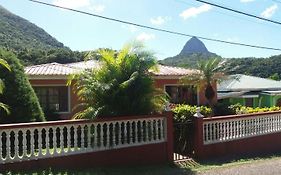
(165, 169)
(202, 166)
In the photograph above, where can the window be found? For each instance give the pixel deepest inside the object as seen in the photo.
(182, 94)
(249, 102)
(53, 98)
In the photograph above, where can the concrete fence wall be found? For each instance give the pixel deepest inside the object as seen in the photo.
(237, 135)
(83, 143)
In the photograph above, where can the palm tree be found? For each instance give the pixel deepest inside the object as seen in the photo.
(121, 86)
(2, 86)
(209, 72)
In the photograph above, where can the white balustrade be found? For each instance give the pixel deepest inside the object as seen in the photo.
(53, 139)
(223, 130)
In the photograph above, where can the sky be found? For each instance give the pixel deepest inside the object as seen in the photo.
(81, 32)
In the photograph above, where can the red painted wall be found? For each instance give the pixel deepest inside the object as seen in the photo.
(139, 155)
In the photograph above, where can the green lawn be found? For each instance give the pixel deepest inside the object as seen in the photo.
(166, 169)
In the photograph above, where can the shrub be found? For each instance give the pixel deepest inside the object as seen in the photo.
(183, 113)
(121, 86)
(19, 95)
(224, 108)
(250, 110)
(239, 109)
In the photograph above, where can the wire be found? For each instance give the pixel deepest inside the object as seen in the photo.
(157, 29)
(240, 12)
(229, 15)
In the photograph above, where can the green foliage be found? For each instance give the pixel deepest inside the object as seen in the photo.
(60, 55)
(274, 76)
(187, 60)
(3, 106)
(19, 95)
(18, 34)
(209, 71)
(260, 67)
(122, 85)
(183, 113)
(31, 44)
(239, 109)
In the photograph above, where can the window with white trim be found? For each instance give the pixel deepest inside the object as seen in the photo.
(53, 98)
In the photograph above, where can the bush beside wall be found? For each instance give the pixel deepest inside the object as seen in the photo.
(183, 113)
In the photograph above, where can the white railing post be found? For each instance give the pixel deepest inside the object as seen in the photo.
(61, 140)
(55, 140)
(47, 142)
(8, 143)
(39, 139)
(16, 145)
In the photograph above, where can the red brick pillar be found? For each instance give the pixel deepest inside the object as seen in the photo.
(170, 136)
(198, 135)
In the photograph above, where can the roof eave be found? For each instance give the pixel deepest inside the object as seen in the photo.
(47, 77)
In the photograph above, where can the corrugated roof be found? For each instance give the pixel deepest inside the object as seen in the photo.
(49, 69)
(174, 71)
(90, 64)
(53, 69)
(241, 82)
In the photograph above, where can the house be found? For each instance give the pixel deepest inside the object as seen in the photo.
(250, 91)
(49, 82)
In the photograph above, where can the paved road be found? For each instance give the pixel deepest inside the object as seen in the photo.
(263, 167)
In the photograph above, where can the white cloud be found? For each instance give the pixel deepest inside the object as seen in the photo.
(145, 36)
(194, 11)
(246, 1)
(268, 12)
(75, 4)
(159, 20)
(97, 8)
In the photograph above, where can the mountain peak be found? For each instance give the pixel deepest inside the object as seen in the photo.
(194, 45)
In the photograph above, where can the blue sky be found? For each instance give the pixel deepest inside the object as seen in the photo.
(80, 32)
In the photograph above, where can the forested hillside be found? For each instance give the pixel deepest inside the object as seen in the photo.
(19, 34)
(261, 67)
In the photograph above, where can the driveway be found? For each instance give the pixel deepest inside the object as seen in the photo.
(261, 167)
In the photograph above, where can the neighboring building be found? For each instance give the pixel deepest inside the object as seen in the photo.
(49, 82)
(250, 91)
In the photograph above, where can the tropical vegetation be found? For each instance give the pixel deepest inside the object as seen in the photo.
(121, 86)
(209, 72)
(184, 113)
(19, 95)
(239, 109)
(3, 106)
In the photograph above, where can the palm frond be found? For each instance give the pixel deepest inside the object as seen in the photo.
(2, 86)
(5, 64)
(5, 108)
